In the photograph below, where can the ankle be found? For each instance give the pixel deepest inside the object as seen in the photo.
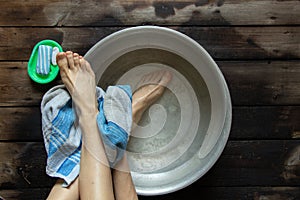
(87, 117)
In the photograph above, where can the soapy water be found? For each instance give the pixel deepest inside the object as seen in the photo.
(168, 128)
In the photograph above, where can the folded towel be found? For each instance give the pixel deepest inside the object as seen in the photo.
(63, 139)
(44, 59)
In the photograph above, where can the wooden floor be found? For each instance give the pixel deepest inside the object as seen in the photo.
(256, 44)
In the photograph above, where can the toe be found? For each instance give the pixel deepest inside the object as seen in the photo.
(89, 68)
(85, 65)
(157, 76)
(76, 60)
(166, 78)
(147, 79)
(154, 77)
(150, 77)
(70, 60)
(62, 61)
(82, 64)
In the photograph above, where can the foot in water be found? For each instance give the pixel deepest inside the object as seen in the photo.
(150, 88)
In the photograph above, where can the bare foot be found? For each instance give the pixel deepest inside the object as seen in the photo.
(151, 87)
(79, 78)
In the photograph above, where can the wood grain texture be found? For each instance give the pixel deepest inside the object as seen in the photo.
(23, 165)
(25, 194)
(17, 88)
(229, 43)
(255, 44)
(263, 83)
(20, 124)
(129, 12)
(250, 83)
(243, 163)
(207, 193)
(266, 122)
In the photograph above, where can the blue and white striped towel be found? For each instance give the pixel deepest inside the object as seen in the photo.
(44, 59)
(63, 139)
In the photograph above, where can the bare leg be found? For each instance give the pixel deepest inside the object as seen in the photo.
(60, 193)
(95, 181)
(122, 181)
(151, 87)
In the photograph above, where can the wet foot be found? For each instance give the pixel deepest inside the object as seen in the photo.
(79, 78)
(150, 88)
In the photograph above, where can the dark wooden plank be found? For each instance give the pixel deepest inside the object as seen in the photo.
(250, 83)
(256, 163)
(17, 43)
(270, 122)
(263, 83)
(207, 193)
(22, 165)
(16, 87)
(129, 12)
(266, 122)
(247, 42)
(243, 163)
(20, 124)
(221, 42)
(25, 194)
